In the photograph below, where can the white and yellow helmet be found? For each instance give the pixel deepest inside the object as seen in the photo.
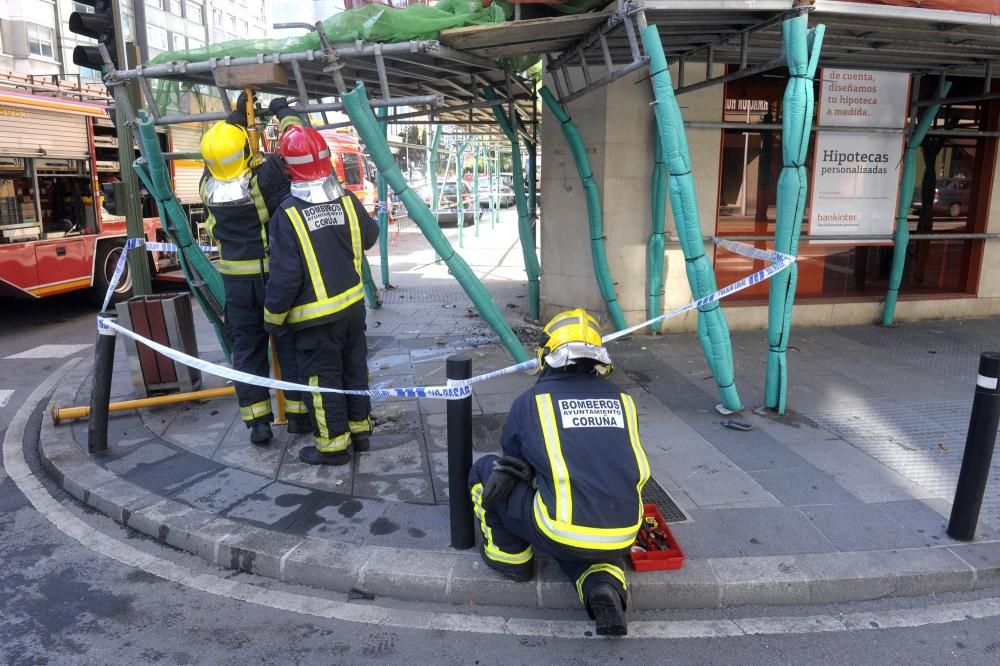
(570, 336)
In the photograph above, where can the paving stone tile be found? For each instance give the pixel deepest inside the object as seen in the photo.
(173, 473)
(393, 454)
(395, 488)
(275, 506)
(859, 527)
(339, 518)
(322, 477)
(263, 460)
(221, 490)
(148, 454)
(802, 486)
(706, 535)
(774, 531)
(411, 526)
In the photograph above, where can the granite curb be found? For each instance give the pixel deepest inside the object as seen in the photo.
(461, 578)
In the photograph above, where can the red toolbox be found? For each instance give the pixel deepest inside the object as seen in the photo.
(654, 560)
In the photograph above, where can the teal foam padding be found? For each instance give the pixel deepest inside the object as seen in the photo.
(595, 215)
(372, 293)
(656, 245)
(802, 49)
(907, 183)
(357, 108)
(383, 215)
(525, 232)
(712, 328)
(197, 268)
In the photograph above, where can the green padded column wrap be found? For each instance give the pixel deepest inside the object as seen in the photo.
(595, 215)
(802, 48)
(907, 182)
(357, 108)
(383, 216)
(655, 246)
(713, 332)
(200, 273)
(524, 229)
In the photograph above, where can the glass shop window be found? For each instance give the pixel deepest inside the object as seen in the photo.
(954, 178)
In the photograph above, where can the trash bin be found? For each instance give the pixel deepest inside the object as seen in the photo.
(168, 320)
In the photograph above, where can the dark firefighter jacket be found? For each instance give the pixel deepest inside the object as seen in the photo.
(579, 433)
(239, 229)
(316, 253)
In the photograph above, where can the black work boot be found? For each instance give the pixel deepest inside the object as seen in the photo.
(520, 573)
(310, 455)
(361, 441)
(299, 424)
(260, 433)
(605, 605)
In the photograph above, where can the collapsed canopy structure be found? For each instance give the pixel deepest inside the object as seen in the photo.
(463, 76)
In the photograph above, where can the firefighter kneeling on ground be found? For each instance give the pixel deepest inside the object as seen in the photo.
(570, 479)
(240, 191)
(319, 235)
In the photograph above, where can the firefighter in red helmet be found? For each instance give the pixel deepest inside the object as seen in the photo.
(318, 236)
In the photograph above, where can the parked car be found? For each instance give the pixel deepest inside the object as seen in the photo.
(448, 203)
(506, 196)
(951, 197)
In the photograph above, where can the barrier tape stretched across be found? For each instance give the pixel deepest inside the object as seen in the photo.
(456, 389)
(131, 244)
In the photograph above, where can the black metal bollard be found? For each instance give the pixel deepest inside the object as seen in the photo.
(100, 395)
(978, 450)
(459, 366)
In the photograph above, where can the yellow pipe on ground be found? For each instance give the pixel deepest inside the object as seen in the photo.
(60, 414)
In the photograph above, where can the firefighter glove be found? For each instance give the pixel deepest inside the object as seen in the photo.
(279, 107)
(238, 116)
(507, 472)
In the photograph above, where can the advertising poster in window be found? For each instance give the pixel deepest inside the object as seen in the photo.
(856, 174)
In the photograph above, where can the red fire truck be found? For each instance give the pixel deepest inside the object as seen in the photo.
(57, 149)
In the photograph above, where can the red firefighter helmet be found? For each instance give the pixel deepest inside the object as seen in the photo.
(306, 153)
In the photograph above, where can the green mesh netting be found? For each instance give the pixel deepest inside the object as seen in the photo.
(371, 23)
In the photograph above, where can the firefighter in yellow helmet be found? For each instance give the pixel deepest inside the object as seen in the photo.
(240, 190)
(570, 479)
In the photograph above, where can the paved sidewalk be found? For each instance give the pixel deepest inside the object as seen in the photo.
(846, 497)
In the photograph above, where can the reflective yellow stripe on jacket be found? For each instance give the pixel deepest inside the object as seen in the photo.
(325, 304)
(242, 266)
(561, 528)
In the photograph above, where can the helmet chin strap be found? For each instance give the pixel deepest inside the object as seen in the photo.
(323, 190)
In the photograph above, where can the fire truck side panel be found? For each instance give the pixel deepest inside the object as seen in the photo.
(17, 269)
(57, 127)
(65, 263)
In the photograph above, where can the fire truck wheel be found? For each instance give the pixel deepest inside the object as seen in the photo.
(108, 253)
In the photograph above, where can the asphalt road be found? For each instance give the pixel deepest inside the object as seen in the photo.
(64, 603)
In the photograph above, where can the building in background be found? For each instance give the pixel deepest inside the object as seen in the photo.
(35, 36)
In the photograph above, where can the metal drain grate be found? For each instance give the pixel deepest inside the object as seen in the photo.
(486, 430)
(654, 492)
(449, 294)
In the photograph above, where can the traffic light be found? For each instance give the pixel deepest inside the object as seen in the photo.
(99, 25)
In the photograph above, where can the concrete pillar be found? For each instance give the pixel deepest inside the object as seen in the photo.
(616, 124)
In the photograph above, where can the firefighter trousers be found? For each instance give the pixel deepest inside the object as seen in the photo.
(245, 328)
(511, 538)
(335, 355)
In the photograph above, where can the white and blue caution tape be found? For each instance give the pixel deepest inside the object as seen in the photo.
(445, 392)
(131, 244)
(456, 388)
